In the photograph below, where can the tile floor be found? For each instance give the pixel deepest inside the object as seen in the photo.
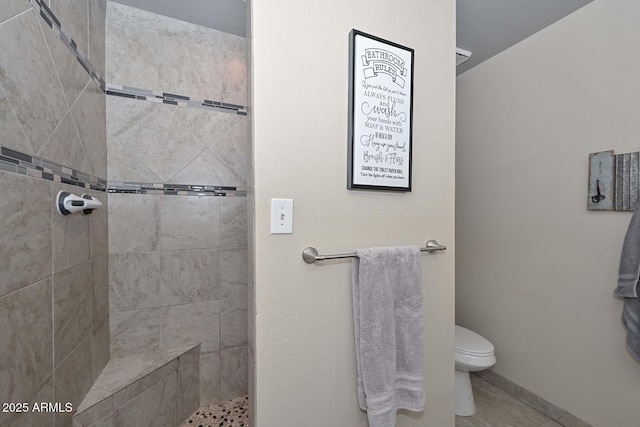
(495, 408)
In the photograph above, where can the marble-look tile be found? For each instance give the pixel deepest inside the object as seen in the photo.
(225, 134)
(154, 135)
(233, 222)
(37, 97)
(12, 135)
(232, 72)
(124, 166)
(124, 43)
(73, 16)
(192, 324)
(190, 356)
(100, 293)
(188, 388)
(72, 309)
(134, 223)
(10, 8)
(72, 380)
(71, 234)
(25, 231)
(97, 404)
(207, 169)
(72, 75)
(64, 147)
(99, 225)
(189, 276)
(121, 397)
(44, 393)
(209, 379)
(551, 424)
(106, 421)
(136, 331)
(89, 113)
(233, 373)
(134, 281)
(100, 348)
(233, 273)
(233, 323)
(27, 330)
(97, 17)
(233, 43)
(189, 222)
(155, 407)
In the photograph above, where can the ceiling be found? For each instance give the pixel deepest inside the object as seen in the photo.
(484, 27)
(487, 27)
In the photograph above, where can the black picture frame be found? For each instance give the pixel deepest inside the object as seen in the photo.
(380, 122)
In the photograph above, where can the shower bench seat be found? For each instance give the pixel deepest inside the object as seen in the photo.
(133, 390)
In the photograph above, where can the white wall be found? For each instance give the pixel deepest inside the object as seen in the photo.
(535, 270)
(304, 347)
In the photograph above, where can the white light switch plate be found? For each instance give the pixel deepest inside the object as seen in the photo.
(281, 216)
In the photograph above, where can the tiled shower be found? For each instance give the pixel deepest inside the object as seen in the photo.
(158, 133)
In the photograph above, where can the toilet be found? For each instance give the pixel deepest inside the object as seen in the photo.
(473, 352)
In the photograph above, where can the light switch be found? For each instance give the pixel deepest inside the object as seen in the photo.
(281, 216)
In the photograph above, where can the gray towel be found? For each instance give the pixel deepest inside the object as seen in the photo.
(628, 275)
(389, 332)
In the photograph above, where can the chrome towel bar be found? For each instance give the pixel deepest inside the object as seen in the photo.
(310, 255)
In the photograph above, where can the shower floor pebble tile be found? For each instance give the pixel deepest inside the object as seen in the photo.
(234, 413)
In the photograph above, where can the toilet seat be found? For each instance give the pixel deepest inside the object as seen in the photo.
(469, 343)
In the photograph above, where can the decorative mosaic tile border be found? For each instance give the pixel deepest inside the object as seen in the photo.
(24, 164)
(172, 99)
(125, 91)
(52, 21)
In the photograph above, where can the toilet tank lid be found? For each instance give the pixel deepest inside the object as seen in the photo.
(468, 341)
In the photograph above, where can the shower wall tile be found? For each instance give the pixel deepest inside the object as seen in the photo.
(124, 43)
(72, 75)
(99, 225)
(37, 97)
(233, 373)
(207, 168)
(134, 281)
(233, 215)
(134, 223)
(106, 421)
(189, 276)
(72, 309)
(73, 14)
(232, 72)
(201, 231)
(71, 234)
(100, 294)
(209, 379)
(192, 324)
(100, 348)
(156, 406)
(12, 135)
(233, 323)
(233, 273)
(27, 330)
(25, 231)
(89, 112)
(124, 166)
(10, 8)
(73, 379)
(64, 146)
(136, 331)
(97, 22)
(44, 393)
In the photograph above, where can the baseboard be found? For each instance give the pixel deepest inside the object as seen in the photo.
(531, 399)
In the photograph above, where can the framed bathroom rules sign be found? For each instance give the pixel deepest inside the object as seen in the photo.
(380, 114)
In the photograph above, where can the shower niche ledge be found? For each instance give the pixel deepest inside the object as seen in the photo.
(143, 389)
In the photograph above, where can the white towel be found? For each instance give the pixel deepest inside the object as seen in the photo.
(389, 332)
